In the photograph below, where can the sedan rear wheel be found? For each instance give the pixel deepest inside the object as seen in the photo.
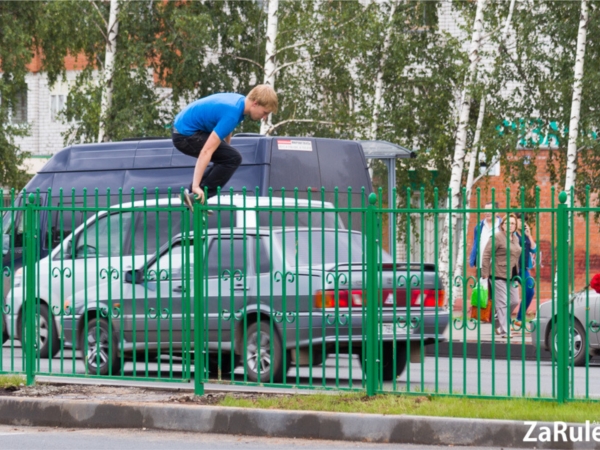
(101, 350)
(259, 360)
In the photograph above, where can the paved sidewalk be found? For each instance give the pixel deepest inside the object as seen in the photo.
(478, 340)
(484, 332)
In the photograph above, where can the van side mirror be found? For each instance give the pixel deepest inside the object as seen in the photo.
(56, 236)
(69, 249)
(134, 277)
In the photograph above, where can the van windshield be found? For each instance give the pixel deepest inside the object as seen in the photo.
(7, 222)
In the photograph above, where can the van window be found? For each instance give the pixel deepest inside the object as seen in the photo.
(153, 229)
(105, 237)
(64, 221)
(10, 219)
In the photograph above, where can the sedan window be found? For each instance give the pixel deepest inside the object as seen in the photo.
(169, 265)
(230, 254)
(323, 247)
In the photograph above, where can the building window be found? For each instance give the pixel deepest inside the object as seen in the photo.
(57, 104)
(19, 110)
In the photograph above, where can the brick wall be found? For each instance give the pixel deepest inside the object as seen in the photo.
(544, 226)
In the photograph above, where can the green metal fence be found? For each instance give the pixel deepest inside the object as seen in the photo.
(291, 290)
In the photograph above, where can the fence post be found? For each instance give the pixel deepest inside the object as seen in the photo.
(198, 240)
(562, 304)
(372, 294)
(29, 284)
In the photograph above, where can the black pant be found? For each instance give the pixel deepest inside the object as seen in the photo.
(225, 159)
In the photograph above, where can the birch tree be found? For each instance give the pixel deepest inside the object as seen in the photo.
(576, 103)
(270, 66)
(539, 109)
(109, 67)
(474, 152)
(379, 79)
(164, 53)
(424, 67)
(461, 142)
(312, 65)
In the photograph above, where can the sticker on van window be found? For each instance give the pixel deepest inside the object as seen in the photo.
(291, 144)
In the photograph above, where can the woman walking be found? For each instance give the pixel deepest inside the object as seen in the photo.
(506, 251)
(529, 246)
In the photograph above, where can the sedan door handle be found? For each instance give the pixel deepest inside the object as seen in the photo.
(179, 289)
(240, 287)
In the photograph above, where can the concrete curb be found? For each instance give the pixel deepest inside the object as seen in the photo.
(273, 423)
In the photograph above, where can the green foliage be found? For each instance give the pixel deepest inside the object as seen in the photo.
(422, 73)
(11, 381)
(329, 54)
(531, 86)
(192, 48)
(17, 24)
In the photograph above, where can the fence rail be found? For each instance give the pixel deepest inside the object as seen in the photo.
(300, 292)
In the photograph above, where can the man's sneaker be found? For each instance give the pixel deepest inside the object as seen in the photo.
(188, 199)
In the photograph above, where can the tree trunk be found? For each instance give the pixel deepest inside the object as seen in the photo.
(460, 145)
(379, 83)
(471, 175)
(270, 65)
(109, 67)
(475, 152)
(576, 103)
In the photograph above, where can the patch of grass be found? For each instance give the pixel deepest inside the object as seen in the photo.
(11, 381)
(518, 409)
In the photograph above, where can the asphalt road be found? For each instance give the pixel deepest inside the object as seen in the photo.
(459, 375)
(34, 438)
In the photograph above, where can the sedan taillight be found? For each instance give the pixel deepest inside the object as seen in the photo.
(428, 297)
(329, 299)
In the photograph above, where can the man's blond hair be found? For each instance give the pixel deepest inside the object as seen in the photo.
(265, 96)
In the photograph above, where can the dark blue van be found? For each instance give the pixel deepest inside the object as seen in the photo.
(155, 165)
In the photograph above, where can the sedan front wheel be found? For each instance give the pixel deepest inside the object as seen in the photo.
(577, 343)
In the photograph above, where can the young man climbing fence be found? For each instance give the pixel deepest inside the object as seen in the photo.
(203, 130)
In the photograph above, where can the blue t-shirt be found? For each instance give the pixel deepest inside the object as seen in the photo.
(220, 113)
